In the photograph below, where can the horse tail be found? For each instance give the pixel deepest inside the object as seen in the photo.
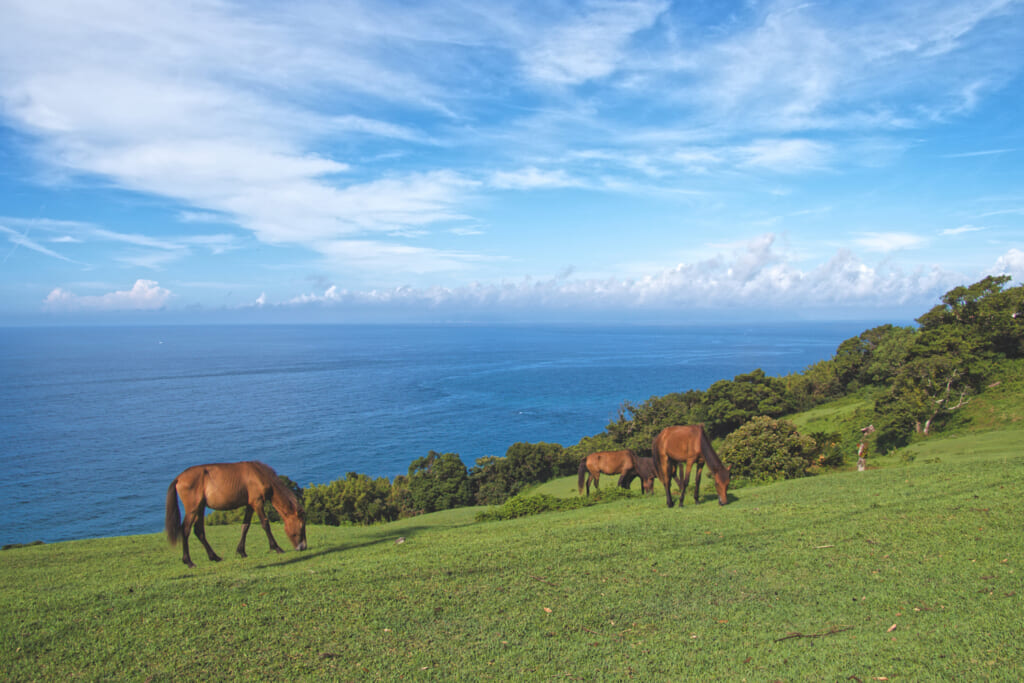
(582, 475)
(172, 516)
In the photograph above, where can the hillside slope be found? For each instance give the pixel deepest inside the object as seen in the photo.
(911, 572)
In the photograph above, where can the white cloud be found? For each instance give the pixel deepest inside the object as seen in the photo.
(786, 156)
(591, 45)
(145, 295)
(533, 178)
(1011, 263)
(961, 230)
(753, 275)
(889, 241)
(393, 257)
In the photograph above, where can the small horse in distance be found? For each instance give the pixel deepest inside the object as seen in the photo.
(689, 445)
(624, 463)
(226, 486)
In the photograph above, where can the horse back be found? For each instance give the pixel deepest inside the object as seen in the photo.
(681, 443)
(225, 486)
(611, 462)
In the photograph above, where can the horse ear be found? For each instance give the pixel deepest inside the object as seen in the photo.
(728, 468)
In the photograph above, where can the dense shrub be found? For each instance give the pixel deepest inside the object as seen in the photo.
(439, 482)
(356, 499)
(495, 479)
(766, 449)
(522, 506)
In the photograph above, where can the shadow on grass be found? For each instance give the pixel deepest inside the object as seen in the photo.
(377, 538)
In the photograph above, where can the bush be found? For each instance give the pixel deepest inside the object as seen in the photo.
(439, 482)
(767, 449)
(356, 499)
(523, 506)
(495, 479)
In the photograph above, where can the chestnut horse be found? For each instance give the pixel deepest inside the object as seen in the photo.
(623, 463)
(226, 486)
(688, 444)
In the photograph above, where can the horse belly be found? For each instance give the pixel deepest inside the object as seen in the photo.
(226, 500)
(225, 491)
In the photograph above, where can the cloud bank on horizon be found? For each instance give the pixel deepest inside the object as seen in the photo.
(554, 159)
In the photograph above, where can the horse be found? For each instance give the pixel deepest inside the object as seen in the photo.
(688, 444)
(226, 486)
(623, 463)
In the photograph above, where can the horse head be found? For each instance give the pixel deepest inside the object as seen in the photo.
(722, 484)
(295, 528)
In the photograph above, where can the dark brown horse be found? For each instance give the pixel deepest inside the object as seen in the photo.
(226, 486)
(688, 444)
(623, 463)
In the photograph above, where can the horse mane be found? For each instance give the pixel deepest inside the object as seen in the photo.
(283, 495)
(710, 456)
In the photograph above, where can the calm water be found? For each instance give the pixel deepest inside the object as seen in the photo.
(122, 410)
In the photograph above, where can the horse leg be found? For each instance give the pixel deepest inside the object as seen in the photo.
(696, 484)
(201, 535)
(665, 475)
(265, 523)
(596, 478)
(186, 529)
(245, 529)
(684, 481)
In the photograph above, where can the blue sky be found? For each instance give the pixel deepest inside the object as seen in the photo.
(351, 161)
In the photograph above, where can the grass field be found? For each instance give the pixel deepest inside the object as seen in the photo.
(910, 572)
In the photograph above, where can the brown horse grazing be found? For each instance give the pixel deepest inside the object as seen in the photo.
(623, 463)
(226, 486)
(688, 444)
(647, 472)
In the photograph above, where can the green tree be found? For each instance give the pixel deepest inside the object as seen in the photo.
(729, 403)
(986, 311)
(491, 479)
(356, 499)
(890, 356)
(439, 482)
(638, 423)
(496, 479)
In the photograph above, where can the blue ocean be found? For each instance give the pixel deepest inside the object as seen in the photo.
(96, 421)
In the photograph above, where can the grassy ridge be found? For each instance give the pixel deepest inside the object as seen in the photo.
(799, 580)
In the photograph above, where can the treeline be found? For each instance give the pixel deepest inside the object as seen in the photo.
(915, 378)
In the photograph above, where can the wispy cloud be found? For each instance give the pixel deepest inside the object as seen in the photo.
(533, 178)
(19, 239)
(889, 241)
(979, 153)
(963, 229)
(369, 133)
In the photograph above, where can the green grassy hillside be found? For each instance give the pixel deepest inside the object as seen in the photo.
(910, 572)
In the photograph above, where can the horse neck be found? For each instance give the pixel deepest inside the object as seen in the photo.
(283, 499)
(710, 456)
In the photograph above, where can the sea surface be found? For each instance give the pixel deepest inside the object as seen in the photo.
(95, 422)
